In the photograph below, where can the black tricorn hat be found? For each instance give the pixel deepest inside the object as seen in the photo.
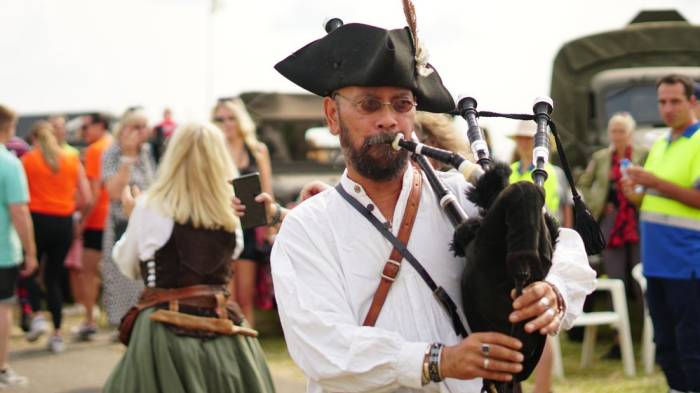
(361, 55)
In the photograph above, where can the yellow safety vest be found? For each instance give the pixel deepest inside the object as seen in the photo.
(551, 198)
(677, 162)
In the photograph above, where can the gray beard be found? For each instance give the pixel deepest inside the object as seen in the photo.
(375, 159)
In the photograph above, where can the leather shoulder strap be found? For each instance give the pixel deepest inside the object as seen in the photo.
(393, 264)
(441, 296)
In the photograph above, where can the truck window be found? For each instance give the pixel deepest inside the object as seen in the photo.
(639, 100)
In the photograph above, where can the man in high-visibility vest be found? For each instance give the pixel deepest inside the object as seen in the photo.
(670, 227)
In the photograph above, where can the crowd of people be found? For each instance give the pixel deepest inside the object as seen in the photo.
(76, 201)
(145, 219)
(64, 212)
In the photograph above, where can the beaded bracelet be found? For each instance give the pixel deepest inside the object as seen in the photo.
(439, 362)
(434, 362)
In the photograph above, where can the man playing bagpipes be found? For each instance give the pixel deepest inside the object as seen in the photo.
(357, 315)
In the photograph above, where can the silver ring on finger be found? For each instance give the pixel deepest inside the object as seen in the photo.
(486, 363)
(485, 349)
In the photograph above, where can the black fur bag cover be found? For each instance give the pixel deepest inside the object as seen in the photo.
(509, 247)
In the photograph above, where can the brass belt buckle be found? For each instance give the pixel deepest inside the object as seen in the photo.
(398, 268)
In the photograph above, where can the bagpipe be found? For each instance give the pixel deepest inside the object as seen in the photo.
(511, 244)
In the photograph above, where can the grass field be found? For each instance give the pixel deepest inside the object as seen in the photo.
(604, 376)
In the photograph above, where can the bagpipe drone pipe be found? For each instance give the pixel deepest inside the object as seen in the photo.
(511, 244)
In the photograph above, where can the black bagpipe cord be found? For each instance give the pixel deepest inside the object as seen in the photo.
(584, 223)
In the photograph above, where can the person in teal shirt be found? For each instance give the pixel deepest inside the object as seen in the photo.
(15, 232)
(13, 190)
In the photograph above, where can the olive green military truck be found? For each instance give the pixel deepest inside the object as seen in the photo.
(595, 76)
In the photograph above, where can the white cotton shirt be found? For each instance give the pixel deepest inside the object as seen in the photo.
(326, 265)
(147, 232)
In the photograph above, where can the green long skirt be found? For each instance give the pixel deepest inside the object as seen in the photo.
(158, 360)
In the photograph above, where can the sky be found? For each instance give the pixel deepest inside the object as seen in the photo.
(78, 55)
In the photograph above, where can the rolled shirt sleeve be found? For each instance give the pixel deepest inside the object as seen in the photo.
(571, 274)
(321, 329)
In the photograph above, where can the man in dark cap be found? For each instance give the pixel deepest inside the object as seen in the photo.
(353, 322)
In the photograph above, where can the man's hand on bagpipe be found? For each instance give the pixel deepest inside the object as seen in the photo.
(496, 356)
(540, 303)
(492, 356)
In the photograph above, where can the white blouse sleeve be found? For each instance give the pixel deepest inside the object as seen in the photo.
(147, 232)
(320, 328)
(571, 274)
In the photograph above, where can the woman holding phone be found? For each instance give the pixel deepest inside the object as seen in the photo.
(249, 155)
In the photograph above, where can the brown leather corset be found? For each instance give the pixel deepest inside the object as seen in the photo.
(192, 256)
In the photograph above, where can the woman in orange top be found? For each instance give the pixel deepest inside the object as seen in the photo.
(95, 133)
(53, 177)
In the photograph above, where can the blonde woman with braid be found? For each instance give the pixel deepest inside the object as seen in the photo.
(181, 237)
(53, 176)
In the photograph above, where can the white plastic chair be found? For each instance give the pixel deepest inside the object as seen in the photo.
(648, 347)
(618, 319)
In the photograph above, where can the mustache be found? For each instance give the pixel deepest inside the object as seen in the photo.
(381, 138)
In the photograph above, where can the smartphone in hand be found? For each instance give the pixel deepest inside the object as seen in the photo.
(246, 188)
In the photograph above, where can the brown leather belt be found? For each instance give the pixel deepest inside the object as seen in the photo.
(162, 295)
(203, 296)
(393, 264)
(211, 297)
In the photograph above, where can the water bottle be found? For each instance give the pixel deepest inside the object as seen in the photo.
(624, 164)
